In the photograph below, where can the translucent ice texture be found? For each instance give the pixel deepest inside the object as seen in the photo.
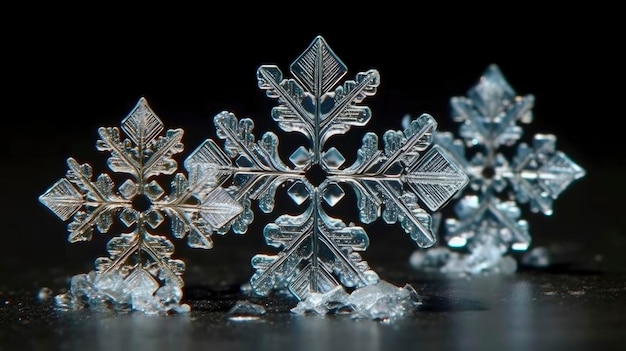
(318, 251)
(245, 311)
(503, 172)
(381, 301)
(139, 272)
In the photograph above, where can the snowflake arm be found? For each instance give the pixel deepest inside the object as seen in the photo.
(487, 216)
(133, 245)
(254, 167)
(491, 110)
(144, 154)
(315, 248)
(379, 177)
(541, 173)
(90, 203)
(308, 104)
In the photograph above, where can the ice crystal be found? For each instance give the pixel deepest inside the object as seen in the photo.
(504, 173)
(244, 311)
(139, 272)
(381, 301)
(320, 252)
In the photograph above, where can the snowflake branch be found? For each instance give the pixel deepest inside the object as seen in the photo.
(164, 266)
(108, 143)
(77, 176)
(174, 138)
(125, 255)
(270, 79)
(365, 86)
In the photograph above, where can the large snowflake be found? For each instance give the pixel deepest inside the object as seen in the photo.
(503, 172)
(139, 272)
(320, 252)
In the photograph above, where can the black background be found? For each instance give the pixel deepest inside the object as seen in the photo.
(68, 71)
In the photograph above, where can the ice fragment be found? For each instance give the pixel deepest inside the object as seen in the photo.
(245, 311)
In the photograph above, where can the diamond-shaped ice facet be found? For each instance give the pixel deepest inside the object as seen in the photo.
(153, 190)
(333, 193)
(129, 216)
(298, 192)
(62, 199)
(128, 189)
(301, 157)
(140, 282)
(333, 158)
(154, 218)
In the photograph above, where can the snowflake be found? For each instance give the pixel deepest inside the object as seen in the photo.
(320, 252)
(488, 220)
(139, 272)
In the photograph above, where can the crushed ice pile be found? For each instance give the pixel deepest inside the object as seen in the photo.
(113, 292)
(381, 301)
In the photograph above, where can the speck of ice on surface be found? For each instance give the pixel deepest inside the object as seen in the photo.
(245, 311)
(44, 294)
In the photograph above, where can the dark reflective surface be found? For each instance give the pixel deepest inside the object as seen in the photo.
(531, 310)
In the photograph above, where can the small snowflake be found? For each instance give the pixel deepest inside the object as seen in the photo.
(320, 252)
(139, 272)
(488, 220)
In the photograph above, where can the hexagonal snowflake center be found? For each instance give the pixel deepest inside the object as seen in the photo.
(141, 203)
(316, 175)
(488, 172)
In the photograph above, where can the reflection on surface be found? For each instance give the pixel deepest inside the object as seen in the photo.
(136, 331)
(326, 333)
(519, 312)
(142, 332)
(503, 323)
